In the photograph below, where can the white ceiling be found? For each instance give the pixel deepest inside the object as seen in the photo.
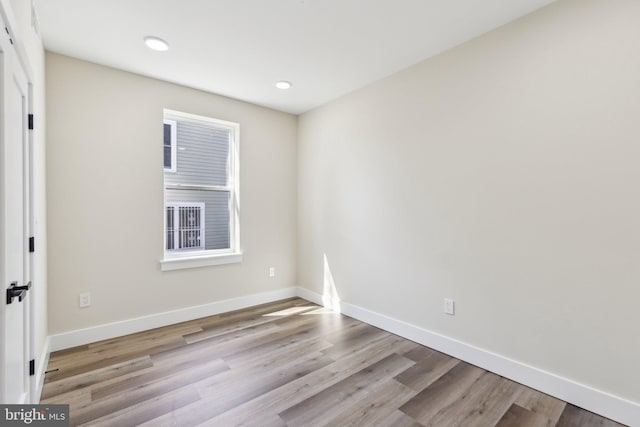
(240, 48)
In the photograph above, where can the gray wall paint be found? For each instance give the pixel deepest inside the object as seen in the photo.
(105, 185)
(503, 174)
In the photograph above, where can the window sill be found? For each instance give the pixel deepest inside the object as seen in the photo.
(169, 264)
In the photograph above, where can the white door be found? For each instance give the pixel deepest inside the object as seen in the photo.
(14, 226)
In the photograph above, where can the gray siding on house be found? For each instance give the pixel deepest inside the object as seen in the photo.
(202, 155)
(216, 211)
(202, 159)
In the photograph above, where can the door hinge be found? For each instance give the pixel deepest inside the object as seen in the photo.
(32, 367)
(32, 244)
(30, 119)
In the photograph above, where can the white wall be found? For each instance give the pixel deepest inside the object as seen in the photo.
(105, 193)
(503, 174)
(29, 40)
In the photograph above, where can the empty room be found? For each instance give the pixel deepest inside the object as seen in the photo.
(362, 213)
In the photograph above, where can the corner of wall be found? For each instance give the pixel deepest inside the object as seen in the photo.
(591, 399)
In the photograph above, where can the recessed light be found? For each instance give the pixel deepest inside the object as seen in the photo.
(156, 43)
(283, 84)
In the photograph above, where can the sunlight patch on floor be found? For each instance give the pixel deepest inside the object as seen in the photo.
(330, 297)
(290, 311)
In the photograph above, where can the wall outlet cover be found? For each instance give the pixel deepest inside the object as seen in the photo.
(84, 300)
(449, 306)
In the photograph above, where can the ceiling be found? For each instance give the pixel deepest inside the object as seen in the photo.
(240, 48)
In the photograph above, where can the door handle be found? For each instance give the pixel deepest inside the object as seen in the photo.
(22, 288)
(15, 291)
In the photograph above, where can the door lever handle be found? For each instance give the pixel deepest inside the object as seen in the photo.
(15, 291)
(22, 288)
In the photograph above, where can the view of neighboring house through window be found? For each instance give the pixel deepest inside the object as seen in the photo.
(200, 182)
(169, 147)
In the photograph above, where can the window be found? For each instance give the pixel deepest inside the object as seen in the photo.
(200, 191)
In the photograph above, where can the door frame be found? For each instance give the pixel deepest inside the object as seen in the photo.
(20, 60)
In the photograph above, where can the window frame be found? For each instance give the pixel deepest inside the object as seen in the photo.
(177, 259)
(172, 140)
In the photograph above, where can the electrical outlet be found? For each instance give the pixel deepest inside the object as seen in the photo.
(449, 306)
(272, 272)
(84, 300)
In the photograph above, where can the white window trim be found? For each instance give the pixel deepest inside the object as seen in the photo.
(202, 260)
(174, 260)
(174, 150)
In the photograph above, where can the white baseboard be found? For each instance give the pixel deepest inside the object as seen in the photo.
(309, 295)
(125, 327)
(600, 402)
(583, 396)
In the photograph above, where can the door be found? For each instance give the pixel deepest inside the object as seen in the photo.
(14, 226)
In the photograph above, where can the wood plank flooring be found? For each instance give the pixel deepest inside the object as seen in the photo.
(288, 363)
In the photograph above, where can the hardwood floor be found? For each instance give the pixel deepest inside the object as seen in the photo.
(289, 363)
